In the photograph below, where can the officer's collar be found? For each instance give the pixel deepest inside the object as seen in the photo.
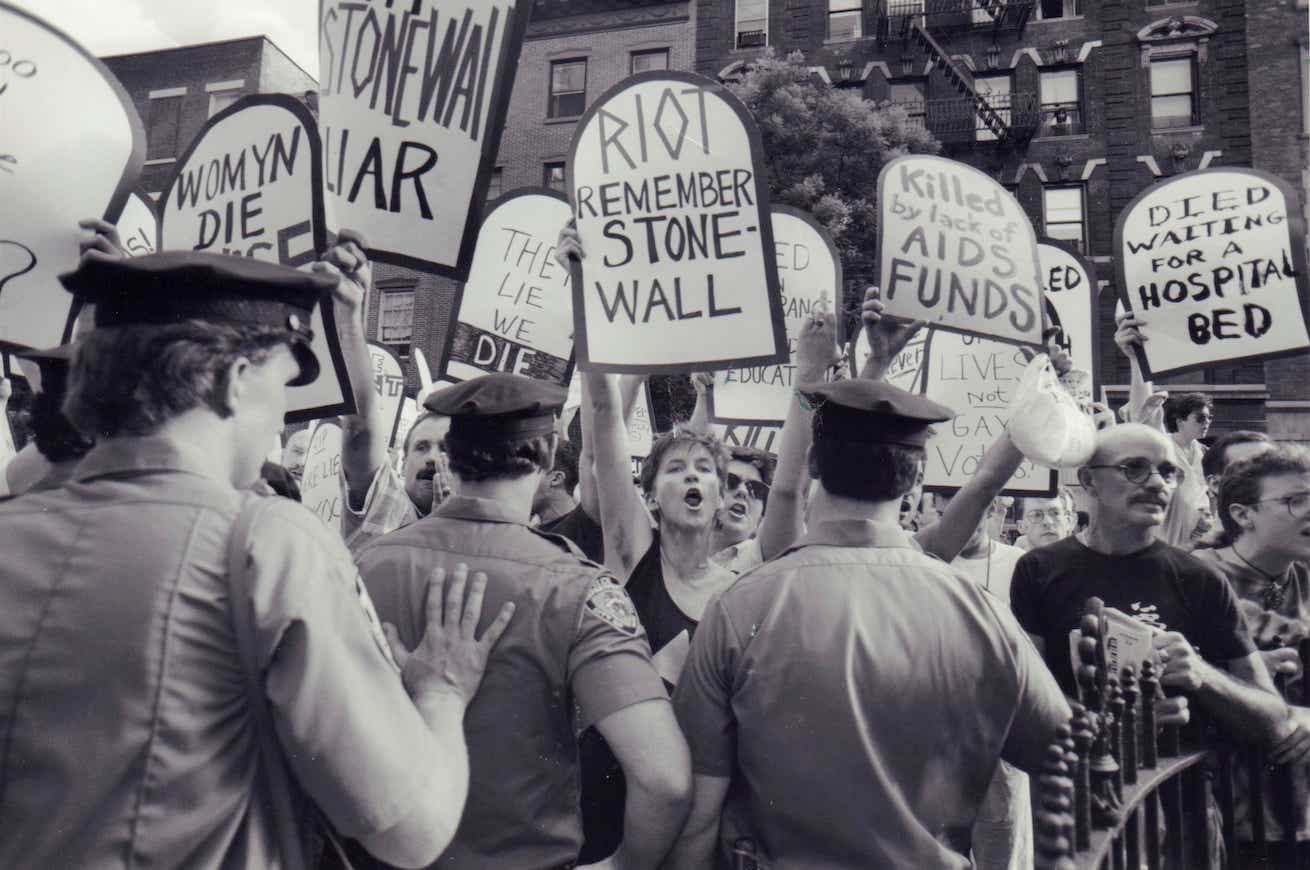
(136, 454)
(857, 533)
(467, 507)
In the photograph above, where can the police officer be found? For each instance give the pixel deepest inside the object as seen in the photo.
(58, 442)
(182, 663)
(854, 691)
(575, 656)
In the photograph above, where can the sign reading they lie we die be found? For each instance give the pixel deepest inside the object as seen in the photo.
(673, 215)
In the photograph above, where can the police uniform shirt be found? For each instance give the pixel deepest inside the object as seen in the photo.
(859, 696)
(574, 639)
(128, 737)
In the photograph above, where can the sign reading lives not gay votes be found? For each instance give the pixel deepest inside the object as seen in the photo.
(679, 274)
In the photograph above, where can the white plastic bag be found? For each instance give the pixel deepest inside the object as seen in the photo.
(1046, 423)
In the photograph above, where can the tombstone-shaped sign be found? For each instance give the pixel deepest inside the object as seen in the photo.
(1071, 289)
(409, 414)
(976, 378)
(320, 483)
(957, 250)
(1214, 262)
(138, 225)
(641, 429)
(680, 271)
(515, 312)
(810, 278)
(761, 436)
(905, 371)
(412, 102)
(71, 147)
(250, 185)
(389, 385)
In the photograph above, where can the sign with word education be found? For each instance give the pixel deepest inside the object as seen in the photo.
(810, 281)
(71, 147)
(1214, 262)
(680, 271)
(515, 312)
(250, 185)
(1071, 290)
(138, 225)
(957, 250)
(412, 102)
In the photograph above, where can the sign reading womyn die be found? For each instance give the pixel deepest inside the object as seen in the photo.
(412, 101)
(809, 276)
(1214, 262)
(680, 271)
(515, 312)
(250, 186)
(956, 249)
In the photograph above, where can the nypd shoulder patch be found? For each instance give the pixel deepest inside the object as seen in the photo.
(609, 601)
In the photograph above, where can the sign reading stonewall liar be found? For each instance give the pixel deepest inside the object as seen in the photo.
(412, 101)
(249, 186)
(680, 272)
(71, 147)
(957, 250)
(810, 279)
(1214, 262)
(515, 312)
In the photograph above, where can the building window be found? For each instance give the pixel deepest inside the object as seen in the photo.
(1062, 103)
(220, 100)
(396, 319)
(1049, 9)
(996, 89)
(1064, 215)
(752, 28)
(496, 186)
(641, 61)
(552, 175)
(164, 117)
(568, 88)
(909, 94)
(845, 19)
(1173, 93)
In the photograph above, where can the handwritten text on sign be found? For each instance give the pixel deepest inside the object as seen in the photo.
(957, 250)
(516, 310)
(761, 437)
(320, 485)
(138, 225)
(410, 104)
(388, 384)
(1213, 261)
(809, 273)
(976, 378)
(679, 272)
(1070, 286)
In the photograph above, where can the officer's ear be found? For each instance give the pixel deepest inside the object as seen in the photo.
(232, 386)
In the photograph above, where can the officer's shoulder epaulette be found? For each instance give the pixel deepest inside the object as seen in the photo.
(564, 543)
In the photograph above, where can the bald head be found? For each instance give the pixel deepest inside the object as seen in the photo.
(1128, 439)
(1131, 476)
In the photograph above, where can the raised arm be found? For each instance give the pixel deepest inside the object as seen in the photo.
(947, 537)
(1145, 405)
(703, 382)
(588, 494)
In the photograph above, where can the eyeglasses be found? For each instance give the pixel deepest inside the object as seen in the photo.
(756, 489)
(1139, 470)
(1038, 516)
(1298, 503)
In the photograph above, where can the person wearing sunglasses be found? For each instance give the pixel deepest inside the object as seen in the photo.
(746, 494)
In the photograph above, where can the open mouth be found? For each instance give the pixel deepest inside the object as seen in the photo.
(738, 510)
(693, 498)
(426, 474)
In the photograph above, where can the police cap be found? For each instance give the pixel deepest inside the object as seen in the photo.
(873, 412)
(183, 285)
(499, 406)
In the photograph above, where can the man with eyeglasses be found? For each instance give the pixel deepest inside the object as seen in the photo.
(1046, 520)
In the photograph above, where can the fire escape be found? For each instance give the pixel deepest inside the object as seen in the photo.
(1007, 119)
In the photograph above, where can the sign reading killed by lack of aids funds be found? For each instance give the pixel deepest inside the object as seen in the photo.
(809, 276)
(412, 101)
(956, 249)
(515, 312)
(71, 147)
(250, 186)
(1070, 288)
(1214, 262)
(680, 271)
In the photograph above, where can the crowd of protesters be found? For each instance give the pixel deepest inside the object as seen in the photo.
(512, 655)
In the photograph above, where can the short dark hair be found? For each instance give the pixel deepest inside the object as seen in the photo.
(484, 459)
(1184, 405)
(677, 436)
(1242, 482)
(566, 462)
(130, 380)
(1215, 462)
(864, 471)
(426, 415)
(761, 461)
(55, 436)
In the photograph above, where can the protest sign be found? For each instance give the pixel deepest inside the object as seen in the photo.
(320, 484)
(249, 185)
(71, 147)
(680, 271)
(412, 102)
(389, 384)
(957, 250)
(760, 436)
(1070, 287)
(904, 371)
(1214, 262)
(810, 280)
(975, 377)
(641, 429)
(515, 312)
(138, 225)
(409, 414)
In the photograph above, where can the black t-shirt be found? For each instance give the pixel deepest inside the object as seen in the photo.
(660, 616)
(1160, 585)
(581, 530)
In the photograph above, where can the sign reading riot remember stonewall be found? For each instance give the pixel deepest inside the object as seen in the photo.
(1070, 286)
(1214, 262)
(673, 215)
(515, 312)
(810, 278)
(138, 225)
(956, 249)
(412, 102)
(249, 185)
(71, 147)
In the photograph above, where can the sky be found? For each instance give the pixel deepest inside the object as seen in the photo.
(107, 27)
